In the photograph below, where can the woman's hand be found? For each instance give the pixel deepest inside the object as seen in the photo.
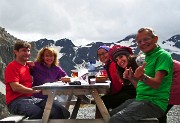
(128, 74)
(30, 63)
(36, 91)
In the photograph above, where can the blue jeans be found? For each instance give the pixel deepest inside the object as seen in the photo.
(34, 107)
(131, 111)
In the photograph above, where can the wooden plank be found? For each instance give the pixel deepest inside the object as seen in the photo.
(80, 91)
(74, 102)
(100, 105)
(84, 99)
(74, 89)
(48, 106)
(68, 101)
(12, 119)
(149, 120)
(66, 121)
(71, 87)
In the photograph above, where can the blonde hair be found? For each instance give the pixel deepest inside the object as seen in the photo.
(40, 55)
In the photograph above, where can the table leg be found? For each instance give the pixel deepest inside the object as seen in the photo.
(48, 106)
(100, 105)
(76, 108)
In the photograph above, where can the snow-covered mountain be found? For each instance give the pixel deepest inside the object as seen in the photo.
(70, 56)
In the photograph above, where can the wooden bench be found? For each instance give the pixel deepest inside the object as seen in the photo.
(13, 119)
(146, 120)
(149, 120)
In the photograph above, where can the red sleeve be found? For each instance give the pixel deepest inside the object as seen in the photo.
(116, 83)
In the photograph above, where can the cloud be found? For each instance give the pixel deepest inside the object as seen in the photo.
(32, 16)
(88, 20)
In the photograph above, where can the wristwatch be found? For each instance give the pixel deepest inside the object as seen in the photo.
(144, 78)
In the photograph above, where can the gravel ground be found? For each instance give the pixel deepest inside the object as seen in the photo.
(174, 115)
(85, 112)
(88, 112)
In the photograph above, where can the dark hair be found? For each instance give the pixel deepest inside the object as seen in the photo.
(131, 63)
(21, 44)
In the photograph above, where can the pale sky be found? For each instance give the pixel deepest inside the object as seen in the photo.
(85, 21)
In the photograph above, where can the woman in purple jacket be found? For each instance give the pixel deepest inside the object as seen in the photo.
(45, 70)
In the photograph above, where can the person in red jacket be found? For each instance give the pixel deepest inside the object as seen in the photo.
(118, 92)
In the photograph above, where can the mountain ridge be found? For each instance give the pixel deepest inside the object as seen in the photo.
(70, 55)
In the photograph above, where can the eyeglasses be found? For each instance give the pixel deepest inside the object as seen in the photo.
(102, 54)
(144, 40)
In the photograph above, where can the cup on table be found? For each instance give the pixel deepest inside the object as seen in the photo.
(102, 73)
(92, 81)
(74, 73)
(101, 76)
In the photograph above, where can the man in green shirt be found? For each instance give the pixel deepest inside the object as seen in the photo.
(153, 82)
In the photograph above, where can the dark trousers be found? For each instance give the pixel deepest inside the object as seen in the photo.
(132, 111)
(115, 100)
(34, 107)
(163, 119)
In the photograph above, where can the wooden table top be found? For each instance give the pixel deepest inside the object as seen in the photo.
(61, 85)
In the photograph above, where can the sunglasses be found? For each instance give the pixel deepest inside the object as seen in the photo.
(102, 54)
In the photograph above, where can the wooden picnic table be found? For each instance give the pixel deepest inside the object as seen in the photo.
(80, 91)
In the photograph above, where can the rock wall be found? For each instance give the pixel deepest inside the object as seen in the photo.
(3, 108)
(6, 55)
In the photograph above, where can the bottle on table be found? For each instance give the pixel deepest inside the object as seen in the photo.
(91, 72)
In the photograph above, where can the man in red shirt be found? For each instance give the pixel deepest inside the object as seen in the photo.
(19, 90)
